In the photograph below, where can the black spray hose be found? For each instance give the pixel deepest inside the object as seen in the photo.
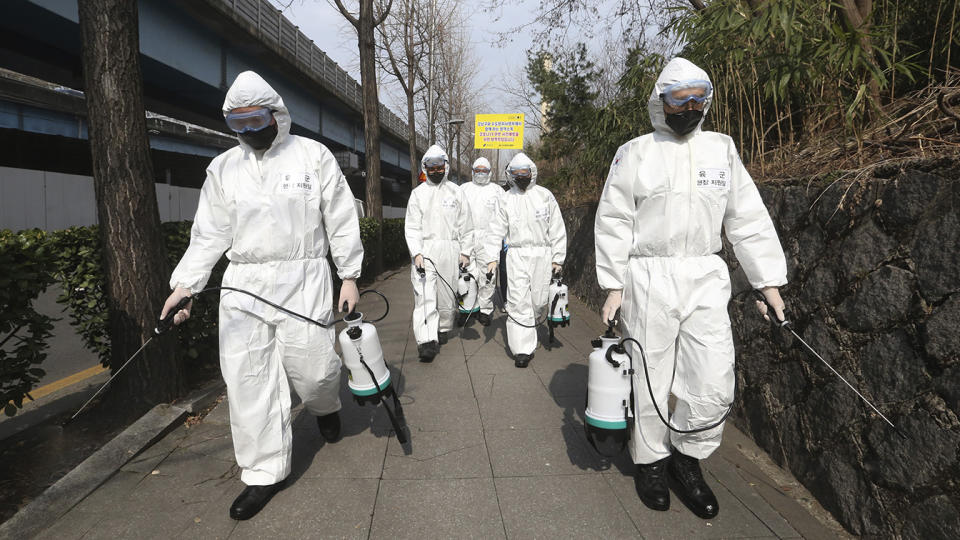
(653, 399)
(276, 306)
(397, 427)
(452, 290)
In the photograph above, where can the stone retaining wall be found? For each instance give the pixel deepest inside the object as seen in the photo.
(874, 269)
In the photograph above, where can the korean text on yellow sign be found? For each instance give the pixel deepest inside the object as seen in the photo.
(498, 131)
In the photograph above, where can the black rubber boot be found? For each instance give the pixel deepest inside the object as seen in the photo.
(329, 425)
(443, 337)
(428, 351)
(251, 500)
(650, 480)
(688, 483)
(522, 360)
(462, 318)
(483, 318)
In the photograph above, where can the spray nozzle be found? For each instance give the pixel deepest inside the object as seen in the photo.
(489, 277)
(422, 271)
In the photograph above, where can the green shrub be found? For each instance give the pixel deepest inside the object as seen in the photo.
(80, 270)
(25, 260)
(394, 244)
(32, 260)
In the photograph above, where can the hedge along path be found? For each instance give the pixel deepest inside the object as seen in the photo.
(32, 260)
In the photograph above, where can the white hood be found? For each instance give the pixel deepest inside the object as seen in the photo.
(481, 179)
(250, 90)
(676, 70)
(520, 161)
(433, 152)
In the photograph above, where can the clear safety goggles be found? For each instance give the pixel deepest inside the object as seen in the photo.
(434, 164)
(683, 92)
(520, 173)
(245, 122)
(481, 170)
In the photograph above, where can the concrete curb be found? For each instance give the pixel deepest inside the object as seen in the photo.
(59, 498)
(202, 398)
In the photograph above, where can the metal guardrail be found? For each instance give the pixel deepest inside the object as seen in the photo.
(273, 28)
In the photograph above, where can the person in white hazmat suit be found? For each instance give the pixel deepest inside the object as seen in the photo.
(667, 195)
(439, 235)
(529, 217)
(482, 195)
(277, 203)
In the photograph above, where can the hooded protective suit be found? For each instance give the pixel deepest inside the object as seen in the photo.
(482, 196)
(657, 232)
(276, 213)
(437, 226)
(536, 237)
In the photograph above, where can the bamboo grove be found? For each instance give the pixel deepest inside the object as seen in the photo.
(787, 74)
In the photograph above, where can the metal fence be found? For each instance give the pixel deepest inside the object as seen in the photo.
(274, 29)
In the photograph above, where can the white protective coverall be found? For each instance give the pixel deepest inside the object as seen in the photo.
(276, 214)
(657, 234)
(437, 226)
(482, 195)
(536, 237)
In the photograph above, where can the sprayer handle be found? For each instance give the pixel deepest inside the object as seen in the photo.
(166, 323)
(772, 313)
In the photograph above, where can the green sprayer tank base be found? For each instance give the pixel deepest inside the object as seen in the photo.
(619, 424)
(371, 391)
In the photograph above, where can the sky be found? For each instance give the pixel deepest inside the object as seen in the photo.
(322, 22)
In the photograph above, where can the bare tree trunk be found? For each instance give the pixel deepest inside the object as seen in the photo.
(134, 260)
(365, 24)
(412, 135)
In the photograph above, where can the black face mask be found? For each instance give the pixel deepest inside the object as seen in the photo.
(684, 122)
(260, 140)
(436, 178)
(522, 183)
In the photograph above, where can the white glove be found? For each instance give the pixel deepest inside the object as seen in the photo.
(610, 306)
(178, 294)
(348, 295)
(772, 294)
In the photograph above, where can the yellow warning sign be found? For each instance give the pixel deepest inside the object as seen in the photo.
(498, 131)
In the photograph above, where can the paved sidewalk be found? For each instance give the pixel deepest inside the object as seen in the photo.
(496, 452)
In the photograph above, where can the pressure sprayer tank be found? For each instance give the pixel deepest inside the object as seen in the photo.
(608, 391)
(467, 291)
(559, 308)
(360, 340)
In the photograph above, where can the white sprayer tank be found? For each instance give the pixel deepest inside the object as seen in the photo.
(360, 338)
(559, 310)
(608, 388)
(467, 291)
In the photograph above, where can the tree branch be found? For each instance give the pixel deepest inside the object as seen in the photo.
(383, 15)
(346, 14)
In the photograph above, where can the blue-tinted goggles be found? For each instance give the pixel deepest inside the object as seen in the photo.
(246, 122)
(683, 92)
